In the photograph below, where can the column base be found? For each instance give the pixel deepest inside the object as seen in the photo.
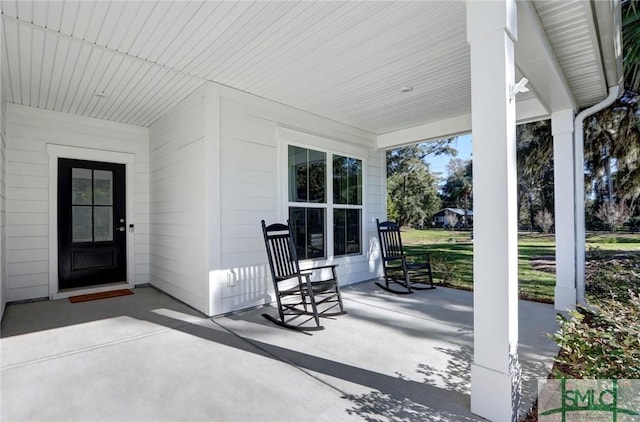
(492, 394)
(565, 298)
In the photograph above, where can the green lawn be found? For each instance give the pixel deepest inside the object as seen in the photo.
(452, 257)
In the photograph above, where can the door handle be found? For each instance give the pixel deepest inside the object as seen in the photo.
(121, 229)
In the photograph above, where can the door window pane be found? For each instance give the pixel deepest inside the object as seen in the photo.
(307, 175)
(103, 224)
(346, 231)
(102, 187)
(347, 180)
(81, 186)
(308, 226)
(82, 224)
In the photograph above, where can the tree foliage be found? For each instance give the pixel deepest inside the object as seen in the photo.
(411, 187)
(457, 190)
(535, 170)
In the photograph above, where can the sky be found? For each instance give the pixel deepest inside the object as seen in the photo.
(439, 163)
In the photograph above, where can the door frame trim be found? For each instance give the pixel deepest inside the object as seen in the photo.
(54, 152)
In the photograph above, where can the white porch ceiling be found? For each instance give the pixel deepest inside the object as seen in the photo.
(346, 61)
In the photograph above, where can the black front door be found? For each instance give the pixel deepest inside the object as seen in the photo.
(91, 223)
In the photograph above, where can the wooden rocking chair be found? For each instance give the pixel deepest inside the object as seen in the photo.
(295, 292)
(399, 267)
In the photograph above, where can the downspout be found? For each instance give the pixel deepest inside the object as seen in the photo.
(578, 157)
(608, 16)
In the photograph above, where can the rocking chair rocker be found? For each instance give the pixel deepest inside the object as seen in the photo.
(399, 267)
(294, 289)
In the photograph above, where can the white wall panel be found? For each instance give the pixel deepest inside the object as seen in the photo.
(29, 130)
(252, 151)
(177, 260)
(3, 183)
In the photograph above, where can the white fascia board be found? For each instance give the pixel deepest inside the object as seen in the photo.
(537, 61)
(527, 110)
(453, 126)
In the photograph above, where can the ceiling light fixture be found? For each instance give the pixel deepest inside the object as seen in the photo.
(99, 94)
(406, 89)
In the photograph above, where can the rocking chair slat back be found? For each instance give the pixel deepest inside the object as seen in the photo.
(390, 240)
(281, 252)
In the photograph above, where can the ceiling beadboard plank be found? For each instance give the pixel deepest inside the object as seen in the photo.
(37, 58)
(372, 39)
(141, 83)
(25, 10)
(298, 43)
(111, 71)
(10, 46)
(276, 45)
(121, 29)
(150, 91)
(89, 19)
(264, 22)
(25, 39)
(130, 67)
(108, 68)
(40, 13)
(48, 59)
(240, 18)
(9, 8)
(139, 21)
(99, 62)
(77, 83)
(60, 50)
(67, 74)
(69, 18)
(171, 101)
(147, 32)
(112, 18)
(205, 28)
(175, 88)
(55, 12)
(179, 25)
(318, 41)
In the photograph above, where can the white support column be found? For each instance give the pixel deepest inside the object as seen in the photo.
(495, 372)
(565, 210)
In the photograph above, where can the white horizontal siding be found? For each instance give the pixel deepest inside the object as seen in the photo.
(252, 189)
(29, 130)
(3, 195)
(177, 203)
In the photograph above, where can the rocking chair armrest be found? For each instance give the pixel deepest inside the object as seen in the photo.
(322, 267)
(395, 258)
(427, 255)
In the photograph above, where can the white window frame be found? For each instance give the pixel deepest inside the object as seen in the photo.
(289, 137)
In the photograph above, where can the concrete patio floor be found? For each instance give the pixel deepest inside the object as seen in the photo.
(149, 357)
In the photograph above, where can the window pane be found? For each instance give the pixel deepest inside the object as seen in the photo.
(297, 174)
(103, 224)
(80, 186)
(102, 187)
(81, 217)
(308, 225)
(346, 231)
(347, 180)
(317, 176)
(307, 175)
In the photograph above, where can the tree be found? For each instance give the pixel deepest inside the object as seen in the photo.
(544, 220)
(535, 170)
(411, 187)
(413, 196)
(614, 214)
(457, 191)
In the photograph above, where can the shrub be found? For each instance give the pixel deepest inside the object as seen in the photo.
(604, 342)
(443, 268)
(601, 344)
